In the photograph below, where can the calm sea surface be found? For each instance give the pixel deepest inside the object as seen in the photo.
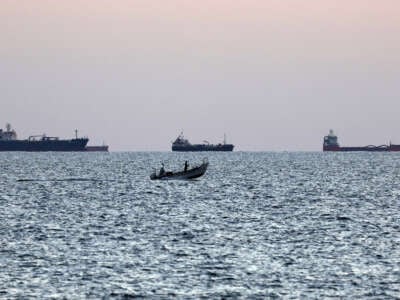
(257, 225)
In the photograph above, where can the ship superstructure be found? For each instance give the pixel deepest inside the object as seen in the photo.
(8, 134)
(183, 144)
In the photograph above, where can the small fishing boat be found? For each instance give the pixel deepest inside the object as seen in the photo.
(186, 174)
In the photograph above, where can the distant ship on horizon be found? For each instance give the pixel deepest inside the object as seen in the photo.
(101, 148)
(331, 144)
(181, 144)
(10, 142)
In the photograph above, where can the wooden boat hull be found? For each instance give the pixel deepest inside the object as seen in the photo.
(193, 173)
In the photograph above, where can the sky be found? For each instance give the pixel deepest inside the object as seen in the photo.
(272, 75)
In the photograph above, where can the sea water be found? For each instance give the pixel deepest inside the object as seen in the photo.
(257, 225)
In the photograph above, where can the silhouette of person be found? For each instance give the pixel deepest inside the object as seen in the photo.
(162, 170)
(186, 165)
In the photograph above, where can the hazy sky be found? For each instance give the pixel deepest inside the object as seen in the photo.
(272, 75)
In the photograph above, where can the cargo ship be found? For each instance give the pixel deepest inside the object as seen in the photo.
(10, 142)
(183, 145)
(331, 144)
(102, 148)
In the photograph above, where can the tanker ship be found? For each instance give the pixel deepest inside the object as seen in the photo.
(331, 144)
(9, 142)
(183, 145)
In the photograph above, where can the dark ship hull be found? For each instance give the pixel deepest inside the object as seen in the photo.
(202, 147)
(382, 148)
(78, 144)
(103, 148)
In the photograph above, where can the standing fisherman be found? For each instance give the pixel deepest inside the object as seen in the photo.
(162, 170)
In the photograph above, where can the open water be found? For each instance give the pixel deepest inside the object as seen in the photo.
(257, 225)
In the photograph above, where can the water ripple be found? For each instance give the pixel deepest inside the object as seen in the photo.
(257, 225)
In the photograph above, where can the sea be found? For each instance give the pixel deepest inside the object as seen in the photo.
(257, 225)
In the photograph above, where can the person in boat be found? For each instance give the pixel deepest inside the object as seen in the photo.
(162, 170)
(186, 165)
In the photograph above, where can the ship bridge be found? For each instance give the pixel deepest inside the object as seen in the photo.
(9, 134)
(331, 139)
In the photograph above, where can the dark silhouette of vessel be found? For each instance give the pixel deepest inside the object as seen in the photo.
(186, 174)
(331, 144)
(183, 145)
(9, 142)
(102, 148)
